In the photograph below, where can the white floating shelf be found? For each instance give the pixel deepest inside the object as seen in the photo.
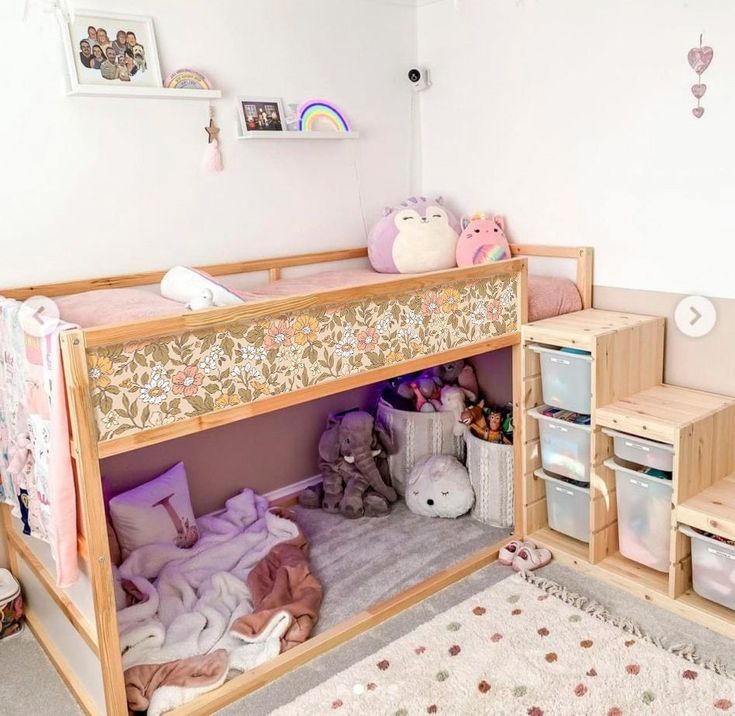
(299, 135)
(148, 92)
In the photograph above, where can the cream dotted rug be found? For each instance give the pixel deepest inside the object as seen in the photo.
(528, 648)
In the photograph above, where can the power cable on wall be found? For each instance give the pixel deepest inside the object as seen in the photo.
(358, 182)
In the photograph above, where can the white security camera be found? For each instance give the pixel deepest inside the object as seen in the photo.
(419, 78)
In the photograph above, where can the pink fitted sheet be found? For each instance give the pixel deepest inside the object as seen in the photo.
(548, 296)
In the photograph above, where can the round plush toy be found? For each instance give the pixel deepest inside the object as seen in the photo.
(419, 235)
(482, 240)
(439, 486)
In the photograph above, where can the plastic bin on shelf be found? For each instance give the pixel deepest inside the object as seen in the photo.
(713, 568)
(644, 516)
(642, 451)
(566, 378)
(568, 507)
(565, 446)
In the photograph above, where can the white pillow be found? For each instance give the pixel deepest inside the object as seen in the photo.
(156, 511)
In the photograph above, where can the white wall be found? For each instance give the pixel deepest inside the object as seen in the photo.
(573, 118)
(93, 186)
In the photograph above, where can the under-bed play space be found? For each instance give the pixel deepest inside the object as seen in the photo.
(318, 452)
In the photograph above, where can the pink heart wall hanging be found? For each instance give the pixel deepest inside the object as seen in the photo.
(700, 58)
(698, 112)
(698, 90)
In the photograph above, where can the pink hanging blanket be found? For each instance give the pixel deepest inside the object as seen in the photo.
(36, 476)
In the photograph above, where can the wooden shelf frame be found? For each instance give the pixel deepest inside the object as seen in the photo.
(712, 510)
(627, 354)
(19, 548)
(87, 452)
(628, 395)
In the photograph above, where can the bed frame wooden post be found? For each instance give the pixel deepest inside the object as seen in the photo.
(518, 436)
(584, 275)
(89, 483)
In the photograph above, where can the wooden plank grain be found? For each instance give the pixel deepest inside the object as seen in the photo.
(89, 484)
(152, 277)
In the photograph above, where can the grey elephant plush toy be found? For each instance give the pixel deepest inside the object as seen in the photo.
(353, 454)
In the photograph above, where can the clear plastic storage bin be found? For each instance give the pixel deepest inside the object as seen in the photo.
(644, 452)
(566, 379)
(713, 568)
(568, 507)
(565, 446)
(644, 516)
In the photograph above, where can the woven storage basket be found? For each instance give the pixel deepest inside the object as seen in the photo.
(417, 435)
(491, 473)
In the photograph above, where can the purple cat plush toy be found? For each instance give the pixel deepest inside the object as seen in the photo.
(419, 235)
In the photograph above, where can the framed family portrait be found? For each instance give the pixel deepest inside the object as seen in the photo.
(111, 49)
(261, 114)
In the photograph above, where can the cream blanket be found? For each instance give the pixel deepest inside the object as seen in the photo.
(178, 641)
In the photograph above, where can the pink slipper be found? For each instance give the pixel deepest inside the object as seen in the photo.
(508, 553)
(530, 558)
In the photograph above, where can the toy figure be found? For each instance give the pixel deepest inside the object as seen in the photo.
(474, 418)
(495, 428)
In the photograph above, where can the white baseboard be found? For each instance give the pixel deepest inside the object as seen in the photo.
(292, 489)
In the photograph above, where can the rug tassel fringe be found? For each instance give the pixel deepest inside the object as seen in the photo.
(687, 652)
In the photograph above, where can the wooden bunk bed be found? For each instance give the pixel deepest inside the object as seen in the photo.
(91, 440)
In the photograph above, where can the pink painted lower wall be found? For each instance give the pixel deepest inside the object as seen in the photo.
(703, 363)
(270, 451)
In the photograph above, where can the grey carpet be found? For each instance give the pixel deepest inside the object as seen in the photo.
(30, 684)
(360, 562)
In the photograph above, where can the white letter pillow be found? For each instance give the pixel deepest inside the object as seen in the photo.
(417, 236)
(184, 284)
(157, 511)
(439, 486)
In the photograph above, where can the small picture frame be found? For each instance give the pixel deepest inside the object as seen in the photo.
(111, 49)
(261, 114)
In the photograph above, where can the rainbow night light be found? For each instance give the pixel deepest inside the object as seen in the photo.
(315, 112)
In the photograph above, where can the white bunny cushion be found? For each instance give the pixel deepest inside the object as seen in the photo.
(188, 285)
(439, 486)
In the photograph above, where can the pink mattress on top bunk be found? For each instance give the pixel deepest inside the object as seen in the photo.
(548, 296)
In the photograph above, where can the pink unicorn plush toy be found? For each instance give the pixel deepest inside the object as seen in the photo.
(482, 240)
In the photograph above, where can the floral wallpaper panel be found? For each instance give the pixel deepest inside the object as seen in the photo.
(141, 385)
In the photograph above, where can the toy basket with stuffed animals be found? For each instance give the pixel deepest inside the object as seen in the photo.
(490, 466)
(417, 435)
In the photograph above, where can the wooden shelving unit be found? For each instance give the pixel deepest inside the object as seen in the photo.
(628, 395)
(713, 509)
(618, 342)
